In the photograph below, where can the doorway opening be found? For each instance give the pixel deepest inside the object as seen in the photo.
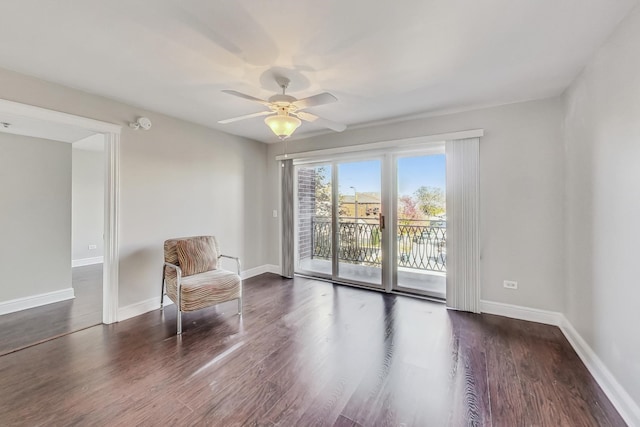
(52, 132)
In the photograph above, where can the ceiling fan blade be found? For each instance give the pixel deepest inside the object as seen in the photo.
(249, 97)
(308, 117)
(312, 101)
(248, 116)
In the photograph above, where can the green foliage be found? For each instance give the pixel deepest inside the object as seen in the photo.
(376, 237)
(431, 200)
(323, 194)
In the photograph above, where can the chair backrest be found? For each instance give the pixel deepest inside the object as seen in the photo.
(192, 254)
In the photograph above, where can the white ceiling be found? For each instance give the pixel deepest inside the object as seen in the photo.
(383, 59)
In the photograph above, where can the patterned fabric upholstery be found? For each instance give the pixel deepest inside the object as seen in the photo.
(171, 253)
(197, 255)
(202, 289)
(205, 289)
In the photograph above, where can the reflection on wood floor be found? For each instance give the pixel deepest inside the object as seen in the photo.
(28, 327)
(306, 353)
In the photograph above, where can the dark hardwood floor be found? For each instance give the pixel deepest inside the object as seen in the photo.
(28, 327)
(306, 353)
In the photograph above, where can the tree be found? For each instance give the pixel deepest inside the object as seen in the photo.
(431, 200)
(408, 210)
(323, 194)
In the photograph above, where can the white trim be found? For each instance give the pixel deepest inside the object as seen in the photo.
(38, 113)
(25, 303)
(87, 261)
(272, 268)
(416, 142)
(112, 187)
(628, 409)
(621, 400)
(523, 313)
(256, 271)
(142, 307)
(111, 228)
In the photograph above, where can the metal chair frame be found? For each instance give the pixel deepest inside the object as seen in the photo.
(179, 289)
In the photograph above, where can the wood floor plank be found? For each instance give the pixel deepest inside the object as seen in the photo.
(36, 325)
(305, 353)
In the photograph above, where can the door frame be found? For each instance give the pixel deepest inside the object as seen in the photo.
(111, 133)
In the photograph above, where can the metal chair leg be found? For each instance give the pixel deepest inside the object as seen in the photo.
(179, 317)
(240, 306)
(162, 287)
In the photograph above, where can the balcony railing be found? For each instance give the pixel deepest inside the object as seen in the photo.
(420, 246)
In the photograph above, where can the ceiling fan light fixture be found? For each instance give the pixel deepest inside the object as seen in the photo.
(283, 125)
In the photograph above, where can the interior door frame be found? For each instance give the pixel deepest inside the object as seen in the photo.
(111, 134)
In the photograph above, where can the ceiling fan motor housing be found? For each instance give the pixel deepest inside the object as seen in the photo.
(281, 99)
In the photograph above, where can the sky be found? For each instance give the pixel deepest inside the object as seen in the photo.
(413, 172)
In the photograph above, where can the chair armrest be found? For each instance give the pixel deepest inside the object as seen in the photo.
(178, 274)
(178, 269)
(178, 282)
(232, 257)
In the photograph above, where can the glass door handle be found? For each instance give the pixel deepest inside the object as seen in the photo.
(381, 222)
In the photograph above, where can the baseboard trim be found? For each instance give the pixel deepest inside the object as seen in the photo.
(142, 307)
(628, 409)
(273, 268)
(522, 313)
(87, 261)
(624, 404)
(266, 268)
(33, 301)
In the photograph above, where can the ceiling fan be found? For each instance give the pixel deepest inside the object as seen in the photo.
(285, 111)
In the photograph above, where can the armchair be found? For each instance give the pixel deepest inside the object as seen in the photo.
(191, 276)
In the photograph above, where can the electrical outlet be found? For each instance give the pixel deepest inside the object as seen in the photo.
(92, 247)
(510, 284)
(275, 213)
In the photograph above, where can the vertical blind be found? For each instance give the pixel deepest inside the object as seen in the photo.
(463, 248)
(287, 218)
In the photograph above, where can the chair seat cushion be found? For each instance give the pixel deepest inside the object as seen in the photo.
(208, 288)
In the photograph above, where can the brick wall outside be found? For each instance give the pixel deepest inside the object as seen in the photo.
(306, 209)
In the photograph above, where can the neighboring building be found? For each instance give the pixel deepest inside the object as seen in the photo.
(368, 205)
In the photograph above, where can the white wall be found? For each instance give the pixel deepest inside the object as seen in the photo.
(602, 144)
(521, 193)
(177, 179)
(35, 216)
(87, 202)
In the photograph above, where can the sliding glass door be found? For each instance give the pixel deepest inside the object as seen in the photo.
(357, 219)
(339, 206)
(420, 225)
(341, 210)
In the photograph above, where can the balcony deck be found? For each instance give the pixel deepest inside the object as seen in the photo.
(421, 247)
(410, 279)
